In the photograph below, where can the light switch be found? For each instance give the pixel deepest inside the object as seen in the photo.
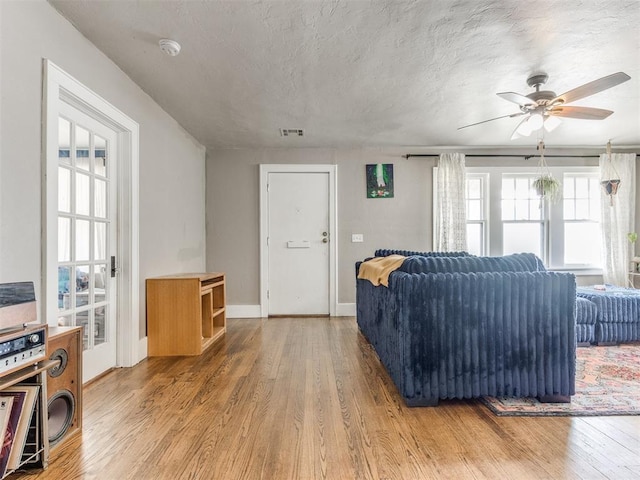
(357, 238)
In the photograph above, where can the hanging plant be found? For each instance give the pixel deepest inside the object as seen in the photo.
(611, 179)
(545, 185)
(610, 186)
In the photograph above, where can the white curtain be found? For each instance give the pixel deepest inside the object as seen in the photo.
(618, 215)
(451, 211)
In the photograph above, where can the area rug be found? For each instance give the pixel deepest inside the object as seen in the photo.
(607, 383)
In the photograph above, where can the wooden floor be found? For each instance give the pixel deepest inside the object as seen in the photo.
(308, 399)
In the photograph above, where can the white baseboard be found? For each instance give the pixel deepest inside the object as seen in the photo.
(243, 311)
(253, 311)
(346, 310)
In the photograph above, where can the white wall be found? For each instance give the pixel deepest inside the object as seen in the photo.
(404, 222)
(233, 208)
(172, 163)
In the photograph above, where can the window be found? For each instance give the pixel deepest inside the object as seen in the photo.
(581, 210)
(523, 223)
(505, 215)
(476, 213)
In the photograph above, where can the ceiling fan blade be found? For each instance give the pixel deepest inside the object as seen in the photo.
(517, 98)
(492, 119)
(592, 87)
(585, 113)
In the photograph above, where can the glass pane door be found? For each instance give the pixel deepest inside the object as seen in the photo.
(84, 232)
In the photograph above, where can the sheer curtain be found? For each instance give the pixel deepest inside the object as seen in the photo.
(451, 214)
(618, 215)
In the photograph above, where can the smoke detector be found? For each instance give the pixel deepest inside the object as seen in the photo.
(170, 47)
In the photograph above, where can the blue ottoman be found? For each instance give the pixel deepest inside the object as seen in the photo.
(618, 312)
(586, 317)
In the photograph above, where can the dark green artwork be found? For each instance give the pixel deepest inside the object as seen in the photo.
(380, 180)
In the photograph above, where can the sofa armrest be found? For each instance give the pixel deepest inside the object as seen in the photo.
(467, 335)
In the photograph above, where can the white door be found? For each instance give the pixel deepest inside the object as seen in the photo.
(298, 243)
(87, 235)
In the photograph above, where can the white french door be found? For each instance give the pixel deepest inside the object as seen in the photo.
(80, 229)
(86, 240)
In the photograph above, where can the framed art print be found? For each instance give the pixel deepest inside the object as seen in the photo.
(380, 180)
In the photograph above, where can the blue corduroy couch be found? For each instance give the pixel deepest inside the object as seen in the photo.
(466, 326)
(616, 312)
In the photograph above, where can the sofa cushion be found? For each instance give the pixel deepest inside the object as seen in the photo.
(517, 262)
(384, 252)
(586, 311)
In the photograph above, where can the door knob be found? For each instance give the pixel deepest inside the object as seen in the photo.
(325, 240)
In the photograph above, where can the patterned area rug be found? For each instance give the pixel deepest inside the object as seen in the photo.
(607, 383)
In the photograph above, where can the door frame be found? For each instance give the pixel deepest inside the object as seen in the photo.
(332, 171)
(59, 86)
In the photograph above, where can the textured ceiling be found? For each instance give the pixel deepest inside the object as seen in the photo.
(370, 73)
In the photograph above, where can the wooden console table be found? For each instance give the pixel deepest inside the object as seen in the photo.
(185, 313)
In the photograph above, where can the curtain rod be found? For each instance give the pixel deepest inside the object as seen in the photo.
(526, 157)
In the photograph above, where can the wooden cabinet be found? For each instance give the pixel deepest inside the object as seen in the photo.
(185, 313)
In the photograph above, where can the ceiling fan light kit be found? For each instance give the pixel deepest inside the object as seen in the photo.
(535, 120)
(522, 130)
(551, 122)
(542, 107)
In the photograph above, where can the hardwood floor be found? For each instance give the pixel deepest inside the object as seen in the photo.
(306, 398)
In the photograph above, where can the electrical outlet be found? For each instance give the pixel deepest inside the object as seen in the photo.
(357, 238)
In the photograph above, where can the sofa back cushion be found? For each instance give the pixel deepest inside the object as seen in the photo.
(384, 252)
(517, 262)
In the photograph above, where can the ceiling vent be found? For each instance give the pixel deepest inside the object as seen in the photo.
(291, 132)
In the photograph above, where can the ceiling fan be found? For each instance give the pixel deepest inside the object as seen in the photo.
(543, 107)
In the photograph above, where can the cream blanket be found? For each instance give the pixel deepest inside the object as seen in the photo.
(378, 269)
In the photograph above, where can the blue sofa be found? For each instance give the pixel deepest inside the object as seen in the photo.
(466, 326)
(616, 313)
(586, 319)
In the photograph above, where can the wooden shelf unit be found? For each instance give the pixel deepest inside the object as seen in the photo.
(35, 453)
(186, 313)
